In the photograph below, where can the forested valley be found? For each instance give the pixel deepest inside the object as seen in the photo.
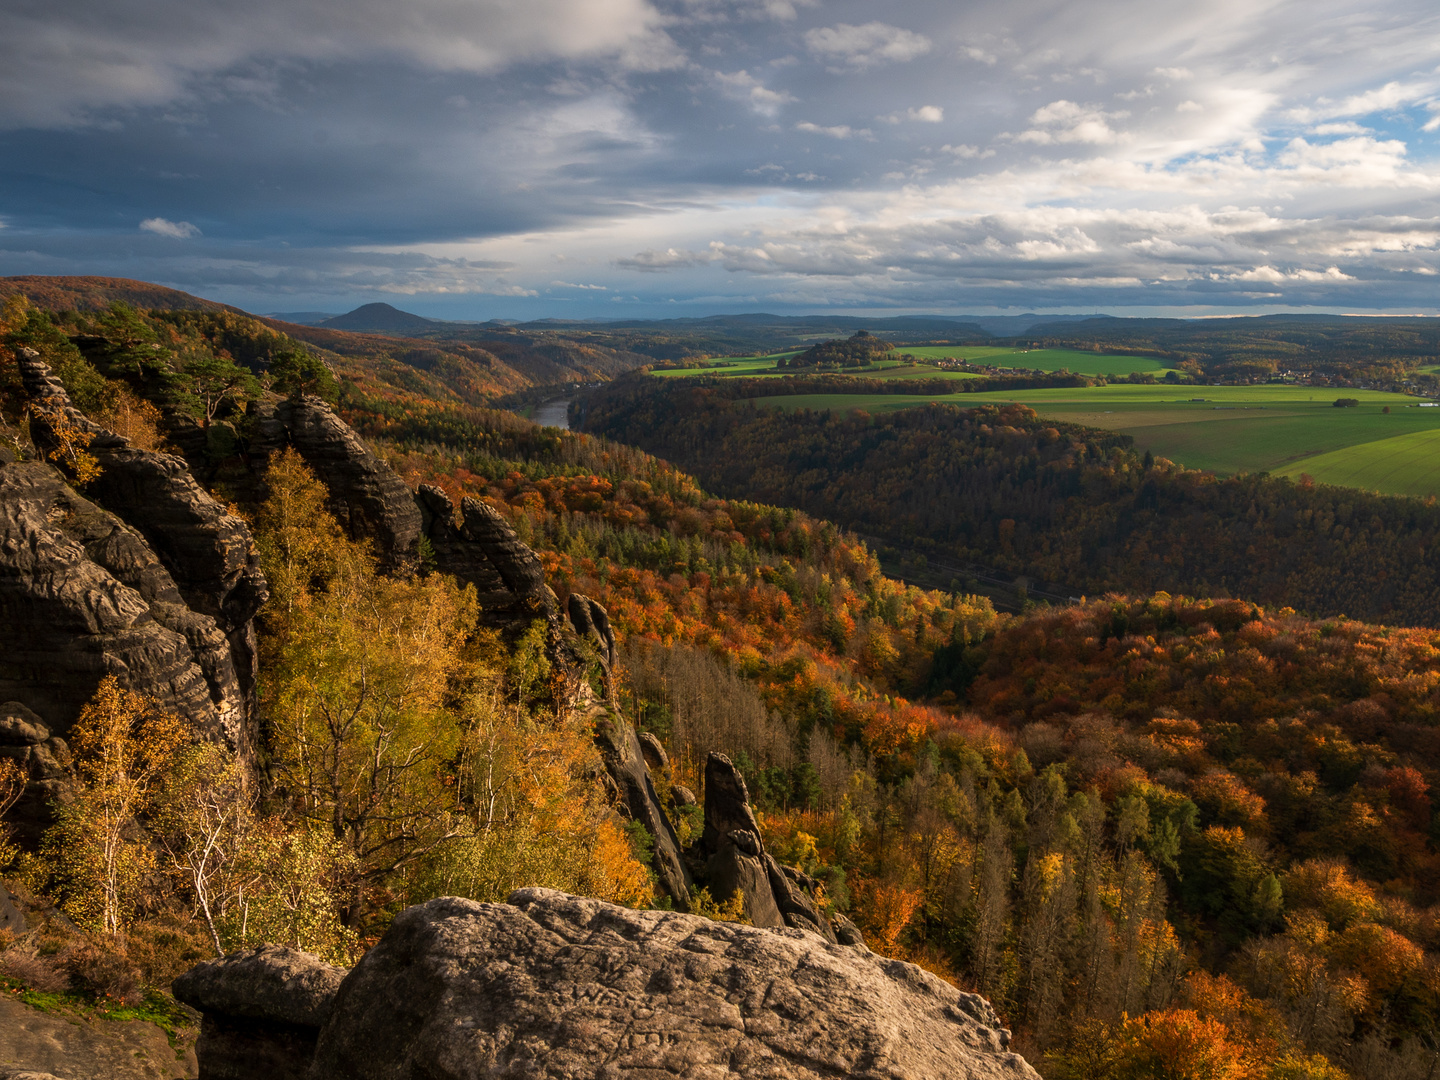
(1180, 829)
(1001, 486)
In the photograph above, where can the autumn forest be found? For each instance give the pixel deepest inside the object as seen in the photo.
(1182, 827)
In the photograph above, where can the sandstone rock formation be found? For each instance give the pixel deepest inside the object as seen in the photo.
(25, 738)
(263, 1009)
(184, 553)
(37, 1045)
(481, 548)
(592, 623)
(82, 596)
(367, 497)
(620, 751)
(730, 857)
(549, 985)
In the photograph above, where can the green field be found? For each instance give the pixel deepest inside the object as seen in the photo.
(730, 365)
(1406, 464)
(1082, 363)
(1287, 430)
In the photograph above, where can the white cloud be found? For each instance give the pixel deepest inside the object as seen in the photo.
(1066, 122)
(1189, 106)
(746, 87)
(654, 262)
(572, 285)
(925, 114)
(720, 11)
(1393, 95)
(838, 131)
(175, 230)
(964, 150)
(59, 63)
(867, 45)
(1270, 275)
(1360, 161)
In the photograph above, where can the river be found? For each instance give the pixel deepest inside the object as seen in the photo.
(554, 413)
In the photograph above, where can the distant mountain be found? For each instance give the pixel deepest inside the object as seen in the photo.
(809, 327)
(98, 293)
(1011, 325)
(302, 318)
(381, 318)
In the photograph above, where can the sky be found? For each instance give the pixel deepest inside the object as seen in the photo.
(476, 159)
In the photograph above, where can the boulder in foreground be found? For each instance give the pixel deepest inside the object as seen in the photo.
(550, 985)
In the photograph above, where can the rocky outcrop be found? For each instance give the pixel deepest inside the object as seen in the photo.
(655, 756)
(730, 858)
(625, 764)
(480, 547)
(370, 501)
(25, 738)
(591, 623)
(82, 596)
(184, 552)
(263, 1010)
(61, 1045)
(549, 985)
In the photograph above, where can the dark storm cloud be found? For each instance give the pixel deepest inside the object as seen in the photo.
(623, 155)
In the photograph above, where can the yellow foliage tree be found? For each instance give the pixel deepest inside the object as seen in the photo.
(123, 746)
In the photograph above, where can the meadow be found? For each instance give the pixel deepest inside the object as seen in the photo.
(1082, 363)
(1286, 430)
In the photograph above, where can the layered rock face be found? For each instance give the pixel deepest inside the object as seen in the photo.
(190, 565)
(731, 858)
(478, 546)
(82, 596)
(25, 738)
(369, 500)
(622, 754)
(550, 985)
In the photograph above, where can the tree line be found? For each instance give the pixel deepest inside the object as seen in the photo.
(1002, 486)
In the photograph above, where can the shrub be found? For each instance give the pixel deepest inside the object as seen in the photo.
(102, 973)
(33, 971)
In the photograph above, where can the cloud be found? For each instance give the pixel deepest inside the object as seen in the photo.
(678, 151)
(838, 131)
(964, 150)
(59, 65)
(866, 46)
(175, 230)
(722, 11)
(1066, 122)
(655, 262)
(1270, 275)
(925, 114)
(746, 87)
(1393, 95)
